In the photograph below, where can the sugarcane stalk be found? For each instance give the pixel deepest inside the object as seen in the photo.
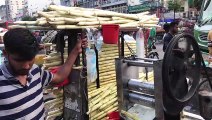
(26, 22)
(110, 102)
(103, 115)
(104, 22)
(129, 115)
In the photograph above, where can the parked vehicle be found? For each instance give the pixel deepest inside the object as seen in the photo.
(203, 25)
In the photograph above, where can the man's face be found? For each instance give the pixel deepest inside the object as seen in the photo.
(175, 29)
(18, 65)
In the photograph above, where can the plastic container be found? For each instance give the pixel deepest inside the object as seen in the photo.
(114, 115)
(110, 33)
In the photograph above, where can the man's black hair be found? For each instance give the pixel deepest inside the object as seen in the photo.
(166, 27)
(21, 42)
(172, 24)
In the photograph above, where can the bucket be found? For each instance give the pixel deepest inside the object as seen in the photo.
(114, 115)
(110, 33)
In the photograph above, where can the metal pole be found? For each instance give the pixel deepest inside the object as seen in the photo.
(122, 45)
(97, 68)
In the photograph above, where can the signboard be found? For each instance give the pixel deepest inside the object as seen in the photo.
(145, 6)
(137, 2)
(138, 8)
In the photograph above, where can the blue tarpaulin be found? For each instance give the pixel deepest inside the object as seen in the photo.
(166, 20)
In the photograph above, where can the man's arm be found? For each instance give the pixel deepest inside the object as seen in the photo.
(66, 68)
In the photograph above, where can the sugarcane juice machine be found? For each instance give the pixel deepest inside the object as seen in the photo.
(177, 78)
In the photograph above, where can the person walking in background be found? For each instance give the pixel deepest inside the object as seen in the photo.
(38, 37)
(166, 28)
(173, 30)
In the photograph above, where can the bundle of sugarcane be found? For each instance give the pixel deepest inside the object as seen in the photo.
(54, 59)
(129, 115)
(60, 17)
(53, 103)
(107, 63)
(102, 101)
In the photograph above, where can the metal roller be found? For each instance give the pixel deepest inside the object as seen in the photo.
(137, 85)
(138, 63)
(147, 59)
(142, 99)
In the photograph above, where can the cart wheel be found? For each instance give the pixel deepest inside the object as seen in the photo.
(181, 70)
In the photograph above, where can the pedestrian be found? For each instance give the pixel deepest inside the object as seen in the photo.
(38, 37)
(173, 30)
(22, 82)
(166, 29)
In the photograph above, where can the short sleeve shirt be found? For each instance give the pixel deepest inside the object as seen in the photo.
(23, 102)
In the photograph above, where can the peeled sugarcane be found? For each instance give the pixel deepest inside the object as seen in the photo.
(106, 81)
(57, 113)
(129, 115)
(105, 77)
(106, 55)
(81, 18)
(102, 89)
(93, 86)
(104, 111)
(58, 22)
(53, 64)
(100, 98)
(107, 69)
(93, 12)
(104, 22)
(107, 73)
(92, 94)
(26, 22)
(29, 27)
(54, 57)
(103, 115)
(74, 27)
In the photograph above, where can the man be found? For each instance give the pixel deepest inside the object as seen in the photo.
(22, 82)
(38, 37)
(173, 29)
(166, 29)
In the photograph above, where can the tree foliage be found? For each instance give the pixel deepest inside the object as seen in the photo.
(28, 18)
(197, 4)
(174, 5)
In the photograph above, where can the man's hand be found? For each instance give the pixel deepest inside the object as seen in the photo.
(83, 43)
(66, 68)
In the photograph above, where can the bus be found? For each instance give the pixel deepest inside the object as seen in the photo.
(203, 25)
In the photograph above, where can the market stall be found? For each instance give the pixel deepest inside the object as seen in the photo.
(83, 96)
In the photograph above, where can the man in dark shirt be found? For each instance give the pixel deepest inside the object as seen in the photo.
(173, 29)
